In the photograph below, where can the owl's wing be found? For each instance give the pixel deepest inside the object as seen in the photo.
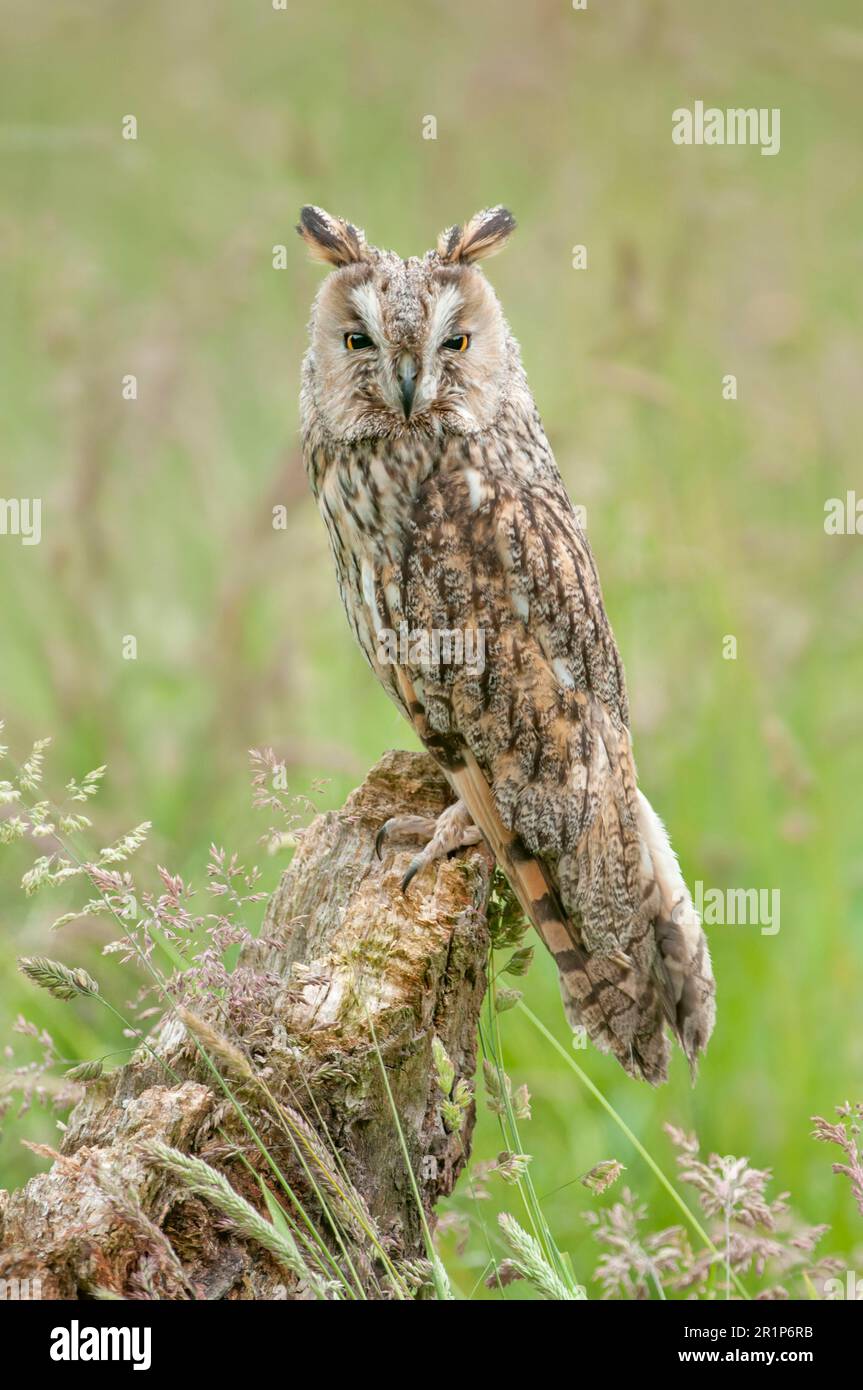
(530, 721)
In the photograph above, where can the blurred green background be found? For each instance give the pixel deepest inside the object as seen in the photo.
(706, 516)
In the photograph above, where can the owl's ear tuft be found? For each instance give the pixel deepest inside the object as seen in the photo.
(331, 239)
(484, 235)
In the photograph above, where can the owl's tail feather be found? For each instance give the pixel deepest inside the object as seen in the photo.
(604, 997)
(620, 1011)
(621, 1002)
(683, 965)
(663, 973)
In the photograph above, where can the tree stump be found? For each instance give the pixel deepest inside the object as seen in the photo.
(348, 973)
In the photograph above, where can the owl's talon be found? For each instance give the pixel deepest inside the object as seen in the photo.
(413, 869)
(451, 831)
(423, 826)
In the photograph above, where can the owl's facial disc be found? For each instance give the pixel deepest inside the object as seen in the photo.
(408, 347)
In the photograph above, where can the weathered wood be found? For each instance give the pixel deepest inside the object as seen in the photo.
(344, 959)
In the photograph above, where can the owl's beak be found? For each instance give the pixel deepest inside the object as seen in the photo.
(407, 382)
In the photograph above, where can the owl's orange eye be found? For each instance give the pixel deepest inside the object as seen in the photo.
(460, 343)
(355, 342)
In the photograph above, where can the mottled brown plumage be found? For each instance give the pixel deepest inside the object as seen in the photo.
(446, 514)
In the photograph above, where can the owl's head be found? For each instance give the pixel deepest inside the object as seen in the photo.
(406, 346)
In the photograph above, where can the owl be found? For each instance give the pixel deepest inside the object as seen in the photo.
(472, 591)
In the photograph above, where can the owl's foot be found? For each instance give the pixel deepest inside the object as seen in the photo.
(452, 830)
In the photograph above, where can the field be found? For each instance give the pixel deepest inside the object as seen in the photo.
(154, 257)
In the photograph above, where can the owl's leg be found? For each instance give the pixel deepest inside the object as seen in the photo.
(452, 830)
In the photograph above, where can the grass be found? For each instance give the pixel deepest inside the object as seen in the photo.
(706, 516)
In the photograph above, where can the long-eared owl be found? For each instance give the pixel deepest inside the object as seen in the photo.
(447, 515)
